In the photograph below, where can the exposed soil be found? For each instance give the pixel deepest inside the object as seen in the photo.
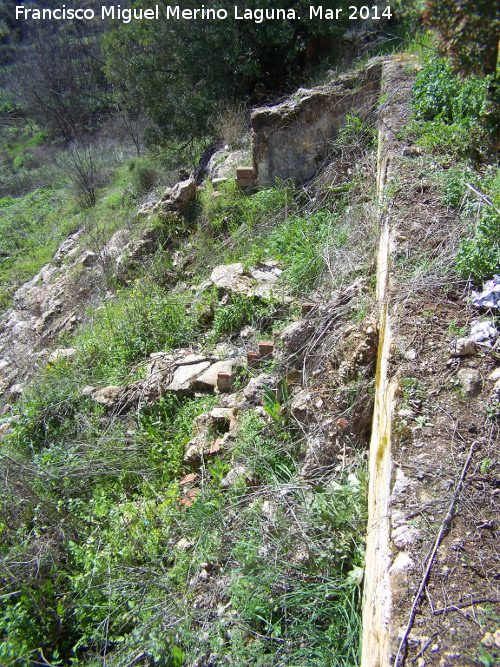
(439, 427)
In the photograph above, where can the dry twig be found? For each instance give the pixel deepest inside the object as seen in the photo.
(444, 526)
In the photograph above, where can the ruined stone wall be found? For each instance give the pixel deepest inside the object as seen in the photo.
(292, 139)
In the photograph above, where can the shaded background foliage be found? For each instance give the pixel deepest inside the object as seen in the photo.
(182, 70)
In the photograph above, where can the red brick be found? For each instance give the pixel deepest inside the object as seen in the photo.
(244, 172)
(224, 381)
(244, 182)
(190, 497)
(216, 447)
(253, 360)
(266, 348)
(188, 478)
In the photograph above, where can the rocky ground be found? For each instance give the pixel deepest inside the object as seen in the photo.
(315, 376)
(444, 367)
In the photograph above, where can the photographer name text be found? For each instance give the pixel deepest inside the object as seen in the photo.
(177, 13)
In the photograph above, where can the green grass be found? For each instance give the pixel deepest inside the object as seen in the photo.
(479, 252)
(279, 226)
(97, 496)
(140, 320)
(31, 228)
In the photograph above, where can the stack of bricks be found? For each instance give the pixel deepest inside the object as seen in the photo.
(244, 177)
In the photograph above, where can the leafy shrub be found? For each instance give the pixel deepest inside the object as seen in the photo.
(297, 242)
(449, 110)
(168, 426)
(231, 209)
(438, 93)
(266, 450)
(233, 316)
(479, 254)
(145, 175)
(241, 310)
(50, 410)
(454, 187)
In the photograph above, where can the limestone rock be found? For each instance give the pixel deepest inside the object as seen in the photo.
(16, 390)
(247, 332)
(120, 398)
(182, 380)
(221, 414)
(238, 473)
(462, 347)
(494, 375)
(295, 336)
(404, 536)
(88, 258)
(184, 544)
(301, 407)
(184, 191)
(146, 209)
(231, 278)
(321, 452)
(222, 165)
(114, 247)
(255, 388)
(470, 379)
(107, 396)
(67, 249)
(62, 353)
(194, 451)
(402, 563)
(208, 379)
(484, 332)
(5, 428)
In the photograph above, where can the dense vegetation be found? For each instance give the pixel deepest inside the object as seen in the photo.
(101, 561)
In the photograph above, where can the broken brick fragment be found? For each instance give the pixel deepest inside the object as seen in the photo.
(266, 349)
(253, 359)
(190, 497)
(306, 308)
(188, 478)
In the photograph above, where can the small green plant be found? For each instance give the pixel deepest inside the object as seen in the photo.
(412, 390)
(485, 466)
(422, 421)
(448, 109)
(454, 330)
(479, 253)
(440, 94)
(240, 311)
(145, 175)
(454, 187)
(493, 409)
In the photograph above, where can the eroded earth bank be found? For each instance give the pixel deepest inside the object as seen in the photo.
(260, 410)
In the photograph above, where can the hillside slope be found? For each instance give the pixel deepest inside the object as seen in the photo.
(210, 414)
